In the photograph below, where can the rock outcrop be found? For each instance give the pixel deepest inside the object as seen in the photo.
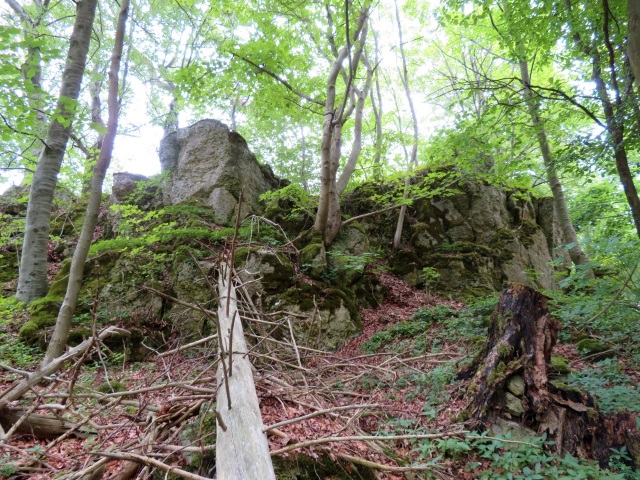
(474, 239)
(208, 161)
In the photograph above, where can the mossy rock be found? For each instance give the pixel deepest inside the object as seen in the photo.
(77, 336)
(560, 364)
(32, 334)
(128, 343)
(466, 247)
(425, 236)
(8, 265)
(407, 265)
(113, 386)
(594, 349)
(313, 260)
(43, 313)
(275, 270)
(303, 467)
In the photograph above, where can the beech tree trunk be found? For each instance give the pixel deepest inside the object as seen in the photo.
(578, 257)
(414, 148)
(613, 108)
(633, 46)
(352, 161)
(242, 450)
(521, 338)
(328, 219)
(32, 280)
(63, 322)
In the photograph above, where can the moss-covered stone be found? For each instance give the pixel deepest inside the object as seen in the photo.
(113, 386)
(31, 333)
(594, 349)
(407, 265)
(313, 260)
(303, 467)
(560, 365)
(274, 270)
(78, 335)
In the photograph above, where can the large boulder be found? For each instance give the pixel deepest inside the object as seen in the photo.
(210, 162)
(473, 239)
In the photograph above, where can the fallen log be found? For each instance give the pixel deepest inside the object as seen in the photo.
(242, 450)
(40, 426)
(513, 369)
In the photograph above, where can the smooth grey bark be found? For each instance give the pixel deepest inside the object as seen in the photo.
(328, 218)
(242, 450)
(32, 280)
(352, 161)
(376, 103)
(612, 107)
(397, 237)
(32, 75)
(633, 45)
(63, 323)
(578, 257)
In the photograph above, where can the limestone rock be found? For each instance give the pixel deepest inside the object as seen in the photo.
(313, 260)
(513, 404)
(515, 385)
(124, 184)
(210, 162)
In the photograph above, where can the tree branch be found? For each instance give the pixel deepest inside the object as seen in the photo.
(280, 80)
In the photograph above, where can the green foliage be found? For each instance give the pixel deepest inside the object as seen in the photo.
(501, 458)
(610, 386)
(12, 350)
(294, 196)
(463, 324)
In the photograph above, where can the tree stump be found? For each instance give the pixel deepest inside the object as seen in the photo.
(515, 364)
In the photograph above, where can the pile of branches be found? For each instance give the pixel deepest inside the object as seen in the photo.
(308, 406)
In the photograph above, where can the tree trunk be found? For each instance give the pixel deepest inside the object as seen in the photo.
(633, 46)
(521, 337)
(397, 238)
(578, 257)
(242, 450)
(63, 323)
(612, 109)
(32, 281)
(350, 166)
(328, 218)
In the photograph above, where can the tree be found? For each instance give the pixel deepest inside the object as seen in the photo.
(578, 257)
(414, 120)
(32, 282)
(328, 219)
(63, 323)
(633, 47)
(598, 41)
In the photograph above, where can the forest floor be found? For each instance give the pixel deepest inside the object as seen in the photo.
(396, 380)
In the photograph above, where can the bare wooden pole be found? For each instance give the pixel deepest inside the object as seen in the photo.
(242, 450)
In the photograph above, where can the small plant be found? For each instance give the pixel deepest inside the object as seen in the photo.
(430, 277)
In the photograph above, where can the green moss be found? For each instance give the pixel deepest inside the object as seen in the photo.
(504, 350)
(30, 333)
(313, 259)
(335, 298)
(594, 348)
(78, 335)
(112, 387)
(301, 295)
(560, 364)
(466, 247)
(59, 286)
(405, 262)
(498, 374)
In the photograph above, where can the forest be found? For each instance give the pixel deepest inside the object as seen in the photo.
(319, 239)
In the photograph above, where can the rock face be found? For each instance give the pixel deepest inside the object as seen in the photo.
(474, 240)
(209, 162)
